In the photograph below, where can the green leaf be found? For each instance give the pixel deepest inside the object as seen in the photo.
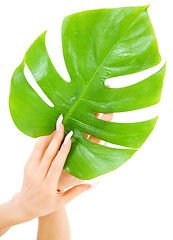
(97, 45)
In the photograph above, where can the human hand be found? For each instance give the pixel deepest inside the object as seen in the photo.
(67, 180)
(39, 195)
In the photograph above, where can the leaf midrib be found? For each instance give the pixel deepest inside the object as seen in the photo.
(99, 67)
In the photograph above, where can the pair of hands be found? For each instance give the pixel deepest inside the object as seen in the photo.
(44, 174)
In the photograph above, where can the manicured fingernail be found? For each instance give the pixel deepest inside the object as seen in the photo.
(94, 186)
(59, 121)
(68, 137)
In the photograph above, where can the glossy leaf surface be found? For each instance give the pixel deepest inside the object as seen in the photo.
(97, 45)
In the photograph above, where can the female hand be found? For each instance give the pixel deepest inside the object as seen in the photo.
(43, 175)
(56, 224)
(39, 195)
(67, 180)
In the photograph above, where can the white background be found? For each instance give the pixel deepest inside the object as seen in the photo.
(132, 202)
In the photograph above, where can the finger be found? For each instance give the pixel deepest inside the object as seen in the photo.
(51, 152)
(57, 165)
(86, 134)
(97, 114)
(74, 192)
(105, 117)
(38, 151)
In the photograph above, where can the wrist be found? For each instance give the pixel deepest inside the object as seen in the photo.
(52, 215)
(18, 209)
(11, 213)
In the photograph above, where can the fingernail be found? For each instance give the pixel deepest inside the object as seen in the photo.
(59, 121)
(94, 186)
(68, 136)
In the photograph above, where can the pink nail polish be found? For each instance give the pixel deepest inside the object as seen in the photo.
(59, 121)
(68, 136)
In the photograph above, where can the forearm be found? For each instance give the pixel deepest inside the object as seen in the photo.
(54, 226)
(2, 231)
(9, 215)
(7, 218)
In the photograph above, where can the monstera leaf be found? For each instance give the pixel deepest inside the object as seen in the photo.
(97, 45)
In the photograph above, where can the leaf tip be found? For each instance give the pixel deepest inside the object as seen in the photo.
(164, 66)
(146, 7)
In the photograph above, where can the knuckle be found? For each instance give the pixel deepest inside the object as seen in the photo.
(66, 148)
(54, 167)
(48, 153)
(40, 143)
(38, 146)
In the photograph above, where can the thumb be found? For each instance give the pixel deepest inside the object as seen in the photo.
(74, 192)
